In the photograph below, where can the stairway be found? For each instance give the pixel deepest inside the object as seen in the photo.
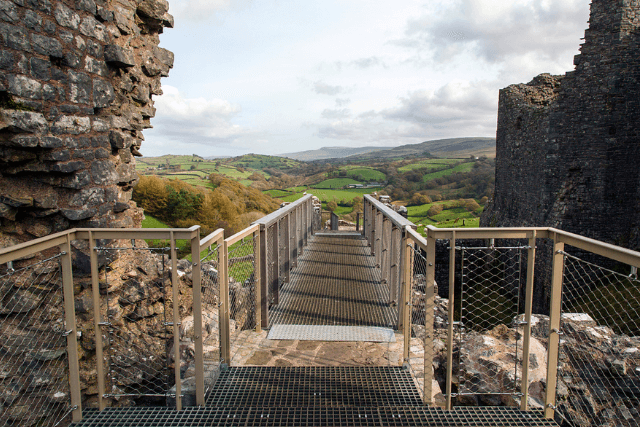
(314, 396)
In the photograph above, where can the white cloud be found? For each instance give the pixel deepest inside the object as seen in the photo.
(341, 102)
(195, 120)
(496, 30)
(325, 89)
(461, 105)
(336, 113)
(201, 10)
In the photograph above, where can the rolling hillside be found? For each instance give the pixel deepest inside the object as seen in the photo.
(450, 148)
(330, 153)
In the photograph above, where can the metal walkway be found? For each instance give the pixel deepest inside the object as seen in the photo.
(314, 396)
(336, 282)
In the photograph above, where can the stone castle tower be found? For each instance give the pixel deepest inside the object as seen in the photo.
(76, 80)
(568, 147)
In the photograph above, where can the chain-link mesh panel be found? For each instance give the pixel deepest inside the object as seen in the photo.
(599, 366)
(34, 374)
(210, 285)
(421, 342)
(137, 323)
(283, 264)
(490, 291)
(242, 265)
(272, 263)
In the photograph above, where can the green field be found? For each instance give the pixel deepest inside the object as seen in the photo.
(278, 193)
(428, 164)
(368, 174)
(463, 167)
(260, 161)
(336, 183)
(447, 218)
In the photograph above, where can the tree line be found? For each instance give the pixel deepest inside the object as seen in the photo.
(230, 205)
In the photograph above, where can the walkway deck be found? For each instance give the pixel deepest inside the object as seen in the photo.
(336, 282)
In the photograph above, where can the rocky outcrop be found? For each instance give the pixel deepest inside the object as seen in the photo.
(76, 87)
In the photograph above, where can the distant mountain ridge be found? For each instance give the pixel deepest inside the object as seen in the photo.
(330, 153)
(451, 147)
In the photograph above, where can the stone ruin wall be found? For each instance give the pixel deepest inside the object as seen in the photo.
(76, 85)
(568, 147)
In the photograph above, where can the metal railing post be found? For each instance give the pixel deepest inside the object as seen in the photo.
(71, 331)
(286, 240)
(97, 321)
(293, 244)
(176, 322)
(258, 254)
(384, 255)
(528, 303)
(223, 271)
(275, 279)
(197, 317)
(554, 326)
(429, 306)
(379, 234)
(394, 270)
(406, 303)
(452, 284)
(262, 280)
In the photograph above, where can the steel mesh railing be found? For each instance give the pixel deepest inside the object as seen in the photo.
(489, 304)
(210, 288)
(34, 377)
(137, 323)
(242, 265)
(422, 340)
(273, 270)
(599, 357)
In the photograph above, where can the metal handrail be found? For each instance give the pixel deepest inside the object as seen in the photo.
(393, 216)
(273, 217)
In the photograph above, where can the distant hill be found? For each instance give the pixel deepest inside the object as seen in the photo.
(450, 148)
(261, 161)
(330, 153)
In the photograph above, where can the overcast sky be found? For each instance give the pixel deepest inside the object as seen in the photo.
(277, 76)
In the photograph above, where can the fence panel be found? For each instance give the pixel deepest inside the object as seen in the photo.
(490, 292)
(211, 317)
(34, 374)
(137, 323)
(598, 381)
(242, 267)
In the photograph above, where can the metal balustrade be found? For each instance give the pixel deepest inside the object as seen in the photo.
(591, 337)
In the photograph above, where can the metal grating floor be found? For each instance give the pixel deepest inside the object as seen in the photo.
(313, 386)
(335, 282)
(331, 333)
(314, 396)
(303, 417)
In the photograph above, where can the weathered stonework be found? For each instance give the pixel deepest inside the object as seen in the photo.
(76, 81)
(567, 147)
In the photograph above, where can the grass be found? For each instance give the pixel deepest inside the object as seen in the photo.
(260, 161)
(183, 246)
(368, 174)
(463, 167)
(335, 183)
(428, 164)
(448, 218)
(278, 193)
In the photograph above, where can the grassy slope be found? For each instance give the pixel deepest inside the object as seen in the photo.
(335, 183)
(428, 164)
(464, 167)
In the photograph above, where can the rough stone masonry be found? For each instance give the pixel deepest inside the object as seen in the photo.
(76, 85)
(568, 147)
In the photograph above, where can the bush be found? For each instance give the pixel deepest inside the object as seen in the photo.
(434, 210)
